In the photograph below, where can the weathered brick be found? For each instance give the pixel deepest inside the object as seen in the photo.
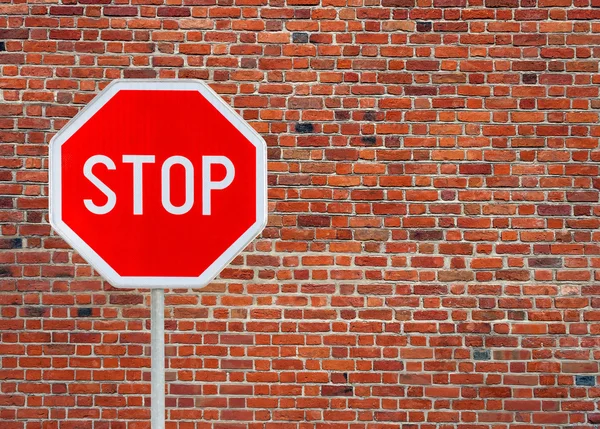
(84, 312)
(502, 3)
(305, 127)
(300, 37)
(554, 210)
(476, 169)
(481, 354)
(314, 220)
(66, 10)
(427, 235)
(545, 262)
(335, 390)
(585, 380)
(455, 276)
(120, 10)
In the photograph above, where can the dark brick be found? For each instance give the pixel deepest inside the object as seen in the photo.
(2, 46)
(126, 299)
(427, 235)
(12, 59)
(481, 354)
(6, 203)
(424, 26)
(11, 243)
(502, 3)
(273, 153)
(413, 65)
(369, 139)
(451, 27)
(398, 3)
(554, 210)
(336, 391)
(304, 127)
(369, 115)
(304, 13)
(516, 315)
(300, 37)
(174, 11)
(529, 78)
(120, 11)
(84, 312)
(66, 10)
(545, 262)
(35, 311)
(585, 380)
(15, 33)
(342, 115)
(420, 90)
(314, 220)
(449, 3)
(139, 73)
(475, 169)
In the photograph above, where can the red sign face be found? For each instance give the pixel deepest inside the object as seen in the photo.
(158, 183)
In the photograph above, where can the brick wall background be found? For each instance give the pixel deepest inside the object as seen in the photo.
(432, 255)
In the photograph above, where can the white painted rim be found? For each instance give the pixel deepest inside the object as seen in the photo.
(55, 185)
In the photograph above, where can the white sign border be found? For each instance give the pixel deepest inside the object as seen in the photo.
(55, 184)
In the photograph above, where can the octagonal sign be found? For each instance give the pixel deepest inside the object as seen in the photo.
(158, 183)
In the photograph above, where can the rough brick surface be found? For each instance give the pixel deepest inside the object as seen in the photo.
(432, 255)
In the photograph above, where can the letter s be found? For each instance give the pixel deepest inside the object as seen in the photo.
(87, 172)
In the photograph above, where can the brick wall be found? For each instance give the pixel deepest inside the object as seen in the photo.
(432, 255)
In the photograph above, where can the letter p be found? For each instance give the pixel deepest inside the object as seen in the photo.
(208, 185)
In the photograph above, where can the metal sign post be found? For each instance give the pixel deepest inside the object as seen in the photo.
(157, 327)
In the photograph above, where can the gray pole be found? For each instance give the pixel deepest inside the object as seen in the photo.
(157, 327)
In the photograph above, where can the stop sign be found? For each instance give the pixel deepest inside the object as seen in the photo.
(158, 183)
